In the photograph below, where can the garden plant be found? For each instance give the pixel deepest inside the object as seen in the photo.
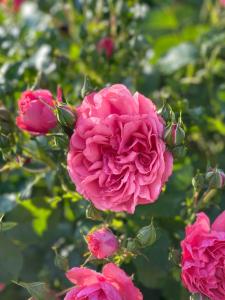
(112, 150)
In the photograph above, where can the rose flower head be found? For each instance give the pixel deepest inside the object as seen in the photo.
(36, 114)
(112, 284)
(203, 257)
(117, 157)
(102, 243)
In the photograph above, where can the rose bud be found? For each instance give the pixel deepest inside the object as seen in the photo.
(174, 135)
(166, 112)
(66, 116)
(146, 236)
(36, 112)
(17, 4)
(102, 243)
(106, 46)
(2, 286)
(93, 213)
(215, 178)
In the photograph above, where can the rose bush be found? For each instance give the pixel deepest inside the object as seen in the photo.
(117, 156)
(170, 51)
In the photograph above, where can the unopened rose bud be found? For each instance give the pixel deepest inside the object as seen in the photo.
(59, 96)
(215, 178)
(106, 46)
(66, 116)
(198, 181)
(102, 243)
(93, 213)
(174, 135)
(2, 286)
(132, 245)
(146, 236)
(166, 112)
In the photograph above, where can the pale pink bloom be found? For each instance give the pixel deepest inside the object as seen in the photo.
(203, 257)
(117, 157)
(222, 2)
(102, 243)
(36, 112)
(112, 284)
(106, 46)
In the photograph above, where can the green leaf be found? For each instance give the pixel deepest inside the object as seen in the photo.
(38, 290)
(152, 268)
(4, 226)
(11, 260)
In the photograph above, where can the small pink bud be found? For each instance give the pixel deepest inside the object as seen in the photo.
(174, 135)
(36, 112)
(106, 46)
(102, 243)
(59, 94)
(215, 178)
(2, 286)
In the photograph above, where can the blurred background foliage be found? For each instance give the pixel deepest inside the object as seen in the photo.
(170, 51)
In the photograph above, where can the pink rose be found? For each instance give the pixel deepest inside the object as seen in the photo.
(203, 257)
(16, 3)
(2, 286)
(222, 2)
(112, 284)
(102, 243)
(117, 156)
(36, 112)
(106, 46)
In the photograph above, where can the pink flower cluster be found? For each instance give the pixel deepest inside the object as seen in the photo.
(117, 157)
(203, 257)
(112, 284)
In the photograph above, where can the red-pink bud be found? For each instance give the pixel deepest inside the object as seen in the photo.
(174, 135)
(36, 113)
(106, 46)
(102, 243)
(2, 286)
(59, 94)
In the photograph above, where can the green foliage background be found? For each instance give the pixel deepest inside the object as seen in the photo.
(168, 50)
